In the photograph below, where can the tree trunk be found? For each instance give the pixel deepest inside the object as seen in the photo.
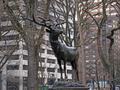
(81, 60)
(32, 66)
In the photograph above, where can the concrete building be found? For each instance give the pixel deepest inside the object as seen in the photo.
(92, 57)
(13, 75)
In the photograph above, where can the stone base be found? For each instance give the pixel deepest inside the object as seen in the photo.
(70, 88)
(68, 85)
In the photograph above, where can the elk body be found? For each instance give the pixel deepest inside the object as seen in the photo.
(62, 52)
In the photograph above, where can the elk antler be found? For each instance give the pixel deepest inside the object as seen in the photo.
(43, 23)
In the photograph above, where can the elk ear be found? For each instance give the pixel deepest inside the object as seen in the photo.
(48, 30)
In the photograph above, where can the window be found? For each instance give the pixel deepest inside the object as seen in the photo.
(42, 50)
(4, 18)
(25, 57)
(42, 59)
(13, 83)
(24, 47)
(68, 63)
(44, 42)
(51, 69)
(41, 68)
(25, 67)
(59, 70)
(50, 52)
(9, 47)
(7, 28)
(12, 67)
(50, 60)
(25, 79)
(48, 43)
(69, 71)
(10, 37)
(14, 57)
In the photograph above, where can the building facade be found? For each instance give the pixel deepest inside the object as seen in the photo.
(13, 75)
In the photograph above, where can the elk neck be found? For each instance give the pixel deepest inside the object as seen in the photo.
(54, 41)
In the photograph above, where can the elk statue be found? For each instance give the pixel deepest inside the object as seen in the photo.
(61, 51)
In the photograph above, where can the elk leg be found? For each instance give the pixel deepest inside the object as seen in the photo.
(75, 71)
(60, 66)
(65, 70)
(77, 75)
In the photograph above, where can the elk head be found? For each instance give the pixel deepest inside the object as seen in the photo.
(54, 33)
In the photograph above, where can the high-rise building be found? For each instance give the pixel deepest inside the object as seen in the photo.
(93, 61)
(13, 75)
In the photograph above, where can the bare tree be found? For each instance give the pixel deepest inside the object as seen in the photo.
(105, 32)
(31, 35)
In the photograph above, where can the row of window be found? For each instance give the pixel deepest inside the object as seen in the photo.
(10, 37)
(4, 18)
(9, 47)
(41, 50)
(25, 67)
(6, 28)
(53, 61)
(46, 42)
(13, 37)
(16, 67)
(25, 57)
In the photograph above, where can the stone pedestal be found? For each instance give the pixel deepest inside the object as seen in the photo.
(70, 88)
(68, 85)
